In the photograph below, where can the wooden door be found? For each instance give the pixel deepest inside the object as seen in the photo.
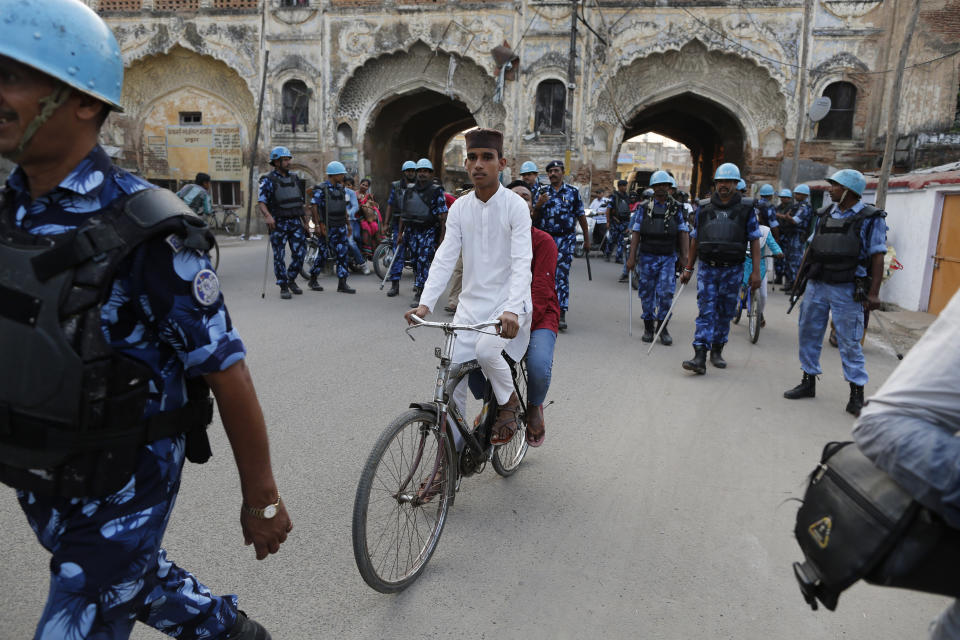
(946, 262)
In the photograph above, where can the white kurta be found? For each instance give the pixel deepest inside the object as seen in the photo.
(494, 238)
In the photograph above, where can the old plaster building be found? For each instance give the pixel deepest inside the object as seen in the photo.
(372, 83)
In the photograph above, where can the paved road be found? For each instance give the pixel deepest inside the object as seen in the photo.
(658, 507)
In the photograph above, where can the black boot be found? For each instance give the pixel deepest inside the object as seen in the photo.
(343, 287)
(697, 364)
(285, 292)
(294, 287)
(246, 629)
(716, 356)
(665, 338)
(856, 399)
(314, 285)
(416, 301)
(394, 289)
(647, 331)
(563, 320)
(806, 389)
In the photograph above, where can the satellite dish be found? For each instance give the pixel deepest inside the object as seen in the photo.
(819, 109)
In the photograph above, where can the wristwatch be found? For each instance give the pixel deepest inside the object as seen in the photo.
(265, 513)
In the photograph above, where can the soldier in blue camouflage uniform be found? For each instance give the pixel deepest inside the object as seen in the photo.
(766, 213)
(330, 208)
(281, 203)
(391, 216)
(531, 177)
(160, 316)
(659, 229)
(557, 211)
(424, 209)
(794, 225)
(725, 226)
(618, 217)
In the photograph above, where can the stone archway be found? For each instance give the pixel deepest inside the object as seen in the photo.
(717, 104)
(409, 104)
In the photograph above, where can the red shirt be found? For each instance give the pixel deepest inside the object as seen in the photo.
(543, 288)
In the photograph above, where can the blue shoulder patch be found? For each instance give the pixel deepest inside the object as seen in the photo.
(206, 287)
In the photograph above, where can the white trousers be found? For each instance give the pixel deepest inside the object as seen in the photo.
(495, 369)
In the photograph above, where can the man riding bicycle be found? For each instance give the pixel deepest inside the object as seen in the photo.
(491, 227)
(197, 195)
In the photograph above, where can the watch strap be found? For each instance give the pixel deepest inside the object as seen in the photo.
(259, 513)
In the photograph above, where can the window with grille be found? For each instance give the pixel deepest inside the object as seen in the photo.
(176, 5)
(551, 107)
(294, 3)
(296, 104)
(225, 193)
(838, 125)
(191, 117)
(120, 5)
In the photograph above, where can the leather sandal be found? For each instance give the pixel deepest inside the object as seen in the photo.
(506, 425)
(536, 429)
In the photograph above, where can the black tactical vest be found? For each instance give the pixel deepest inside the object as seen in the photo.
(335, 201)
(287, 196)
(835, 248)
(722, 233)
(658, 232)
(620, 206)
(70, 405)
(418, 207)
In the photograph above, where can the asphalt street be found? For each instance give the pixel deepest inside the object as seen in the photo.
(660, 506)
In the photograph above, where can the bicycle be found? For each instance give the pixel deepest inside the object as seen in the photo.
(750, 300)
(411, 476)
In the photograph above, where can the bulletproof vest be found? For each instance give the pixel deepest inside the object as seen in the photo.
(763, 211)
(621, 206)
(835, 248)
(722, 234)
(417, 207)
(658, 231)
(335, 201)
(70, 405)
(287, 196)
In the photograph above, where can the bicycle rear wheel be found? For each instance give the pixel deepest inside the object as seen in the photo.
(753, 327)
(507, 457)
(405, 491)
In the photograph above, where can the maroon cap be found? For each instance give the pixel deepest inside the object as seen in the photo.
(484, 139)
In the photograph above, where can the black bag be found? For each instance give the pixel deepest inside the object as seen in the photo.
(856, 522)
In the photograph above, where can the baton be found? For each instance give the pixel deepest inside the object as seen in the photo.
(266, 265)
(666, 319)
(629, 302)
(586, 254)
(886, 335)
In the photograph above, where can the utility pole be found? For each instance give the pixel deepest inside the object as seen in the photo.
(802, 97)
(893, 109)
(571, 83)
(256, 144)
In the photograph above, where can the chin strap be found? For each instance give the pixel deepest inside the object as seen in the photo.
(48, 106)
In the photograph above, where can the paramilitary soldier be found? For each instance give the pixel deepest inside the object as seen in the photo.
(330, 202)
(844, 266)
(391, 217)
(618, 217)
(281, 203)
(725, 225)
(557, 211)
(660, 231)
(424, 208)
(793, 233)
(531, 177)
(111, 329)
(766, 213)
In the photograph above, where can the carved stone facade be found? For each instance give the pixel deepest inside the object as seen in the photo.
(396, 79)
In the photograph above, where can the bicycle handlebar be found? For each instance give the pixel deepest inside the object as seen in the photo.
(449, 326)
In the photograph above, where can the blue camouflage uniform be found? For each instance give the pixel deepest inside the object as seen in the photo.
(616, 228)
(107, 568)
(792, 237)
(420, 242)
(717, 291)
(822, 299)
(338, 237)
(286, 230)
(558, 217)
(657, 274)
(394, 200)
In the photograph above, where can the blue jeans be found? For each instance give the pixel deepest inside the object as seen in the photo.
(352, 245)
(819, 301)
(539, 365)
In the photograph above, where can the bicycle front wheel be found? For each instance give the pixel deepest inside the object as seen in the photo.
(231, 223)
(405, 491)
(507, 457)
(382, 257)
(753, 327)
(311, 257)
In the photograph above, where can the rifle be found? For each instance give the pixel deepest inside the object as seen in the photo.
(800, 281)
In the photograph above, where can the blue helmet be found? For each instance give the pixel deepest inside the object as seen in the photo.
(66, 40)
(850, 179)
(741, 185)
(785, 193)
(408, 165)
(528, 167)
(336, 168)
(661, 177)
(423, 163)
(766, 190)
(279, 152)
(804, 189)
(727, 171)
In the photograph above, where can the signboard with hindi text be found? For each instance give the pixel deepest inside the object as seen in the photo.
(216, 147)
